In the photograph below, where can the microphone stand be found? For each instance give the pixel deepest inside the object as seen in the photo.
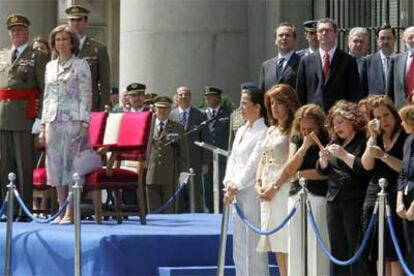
(177, 138)
(191, 130)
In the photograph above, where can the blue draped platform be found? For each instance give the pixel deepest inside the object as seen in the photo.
(112, 249)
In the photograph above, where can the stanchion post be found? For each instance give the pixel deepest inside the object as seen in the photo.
(9, 226)
(303, 226)
(191, 188)
(382, 199)
(77, 189)
(216, 184)
(223, 240)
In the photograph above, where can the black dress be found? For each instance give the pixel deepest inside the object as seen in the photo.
(346, 192)
(406, 186)
(382, 170)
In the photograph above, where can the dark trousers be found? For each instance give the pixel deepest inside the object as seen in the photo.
(409, 242)
(157, 196)
(16, 155)
(344, 227)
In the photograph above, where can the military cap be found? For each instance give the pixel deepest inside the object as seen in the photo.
(76, 12)
(162, 101)
(248, 85)
(210, 90)
(136, 88)
(310, 25)
(149, 98)
(17, 20)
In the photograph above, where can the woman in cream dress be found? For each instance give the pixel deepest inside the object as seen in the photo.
(281, 103)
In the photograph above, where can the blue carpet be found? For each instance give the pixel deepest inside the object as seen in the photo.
(112, 249)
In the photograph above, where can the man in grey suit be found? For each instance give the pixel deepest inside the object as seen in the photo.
(311, 38)
(283, 68)
(378, 64)
(358, 46)
(401, 75)
(190, 117)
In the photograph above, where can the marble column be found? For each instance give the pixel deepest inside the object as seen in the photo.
(167, 43)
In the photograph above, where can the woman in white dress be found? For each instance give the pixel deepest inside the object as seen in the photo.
(239, 183)
(281, 103)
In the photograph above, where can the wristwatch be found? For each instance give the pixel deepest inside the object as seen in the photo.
(275, 187)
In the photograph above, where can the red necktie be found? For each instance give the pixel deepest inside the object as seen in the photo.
(325, 67)
(410, 79)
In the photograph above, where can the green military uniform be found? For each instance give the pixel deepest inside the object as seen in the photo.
(96, 54)
(165, 163)
(23, 74)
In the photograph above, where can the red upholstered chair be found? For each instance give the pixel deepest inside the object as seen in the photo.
(43, 193)
(132, 140)
(40, 188)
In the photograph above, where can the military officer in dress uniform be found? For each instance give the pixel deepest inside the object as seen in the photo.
(218, 130)
(311, 38)
(21, 86)
(95, 54)
(136, 97)
(165, 161)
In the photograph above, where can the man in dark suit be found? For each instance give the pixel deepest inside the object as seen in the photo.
(283, 68)
(94, 53)
(401, 75)
(165, 162)
(190, 117)
(358, 47)
(378, 64)
(311, 38)
(330, 74)
(21, 86)
(218, 131)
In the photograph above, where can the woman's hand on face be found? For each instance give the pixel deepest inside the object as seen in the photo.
(307, 142)
(373, 128)
(42, 139)
(376, 152)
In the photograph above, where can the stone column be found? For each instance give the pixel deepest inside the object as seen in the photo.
(41, 13)
(167, 43)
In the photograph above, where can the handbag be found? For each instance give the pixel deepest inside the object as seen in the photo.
(86, 160)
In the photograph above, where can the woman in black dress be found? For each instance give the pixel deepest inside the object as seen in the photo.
(383, 158)
(347, 182)
(405, 195)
